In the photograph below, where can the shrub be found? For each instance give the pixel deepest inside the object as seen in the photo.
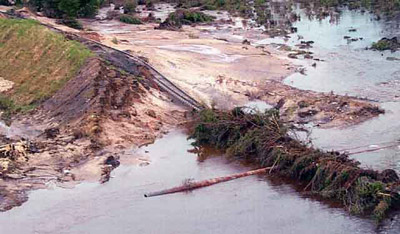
(70, 22)
(130, 6)
(70, 8)
(129, 19)
(181, 17)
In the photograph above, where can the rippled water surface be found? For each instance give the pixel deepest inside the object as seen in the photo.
(247, 205)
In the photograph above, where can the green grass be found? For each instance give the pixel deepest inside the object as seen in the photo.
(37, 60)
(381, 45)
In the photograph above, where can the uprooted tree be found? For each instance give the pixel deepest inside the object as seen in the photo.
(263, 139)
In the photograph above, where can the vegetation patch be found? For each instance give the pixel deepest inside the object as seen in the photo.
(386, 44)
(263, 139)
(129, 19)
(181, 17)
(233, 6)
(37, 60)
(70, 22)
(388, 7)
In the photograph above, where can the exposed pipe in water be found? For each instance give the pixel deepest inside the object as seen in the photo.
(200, 184)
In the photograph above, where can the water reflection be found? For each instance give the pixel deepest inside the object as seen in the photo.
(247, 205)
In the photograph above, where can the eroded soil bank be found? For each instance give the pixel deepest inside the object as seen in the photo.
(82, 131)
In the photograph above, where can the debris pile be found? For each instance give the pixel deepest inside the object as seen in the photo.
(265, 140)
(13, 154)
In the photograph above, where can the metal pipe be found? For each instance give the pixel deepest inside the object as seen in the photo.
(200, 184)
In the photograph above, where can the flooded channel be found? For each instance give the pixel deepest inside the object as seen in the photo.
(247, 205)
(349, 68)
(252, 204)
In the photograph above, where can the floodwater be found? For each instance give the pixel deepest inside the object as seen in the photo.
(349, 69)
(247, 205)
(382, 131)
(252, 204)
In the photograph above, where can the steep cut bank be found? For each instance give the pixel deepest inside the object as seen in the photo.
(101, 108)
(37, 61)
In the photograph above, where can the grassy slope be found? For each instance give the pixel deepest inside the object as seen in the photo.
(37, 60)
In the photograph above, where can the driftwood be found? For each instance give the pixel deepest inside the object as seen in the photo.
(200, 184)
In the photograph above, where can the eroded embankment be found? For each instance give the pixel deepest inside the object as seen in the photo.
(82, 128)
(263, 139)
(36, 61)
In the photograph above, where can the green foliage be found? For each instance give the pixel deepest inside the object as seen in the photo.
(381, 45)
(130, 6)
(264, 140)
(70, 22)
(70, 8)
(181, 17)
(5, 2)
(37, 60)
(129, 19)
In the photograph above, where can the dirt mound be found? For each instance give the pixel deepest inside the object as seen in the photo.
(94, 114)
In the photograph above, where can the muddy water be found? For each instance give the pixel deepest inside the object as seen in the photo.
(247, 205)
(349, 69)
(383, 131)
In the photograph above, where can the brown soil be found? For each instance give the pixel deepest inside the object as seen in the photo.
(228, 73)
(100, 114)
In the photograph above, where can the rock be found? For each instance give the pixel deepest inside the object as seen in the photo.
(280, 104)
(52, 132)
(392, 59)
(303, 104)
(307, 113)
(5, 85)
(246, 42)
(388, 176)
(308, 56)
(151, 113)
(5, 165)
(112, 161)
